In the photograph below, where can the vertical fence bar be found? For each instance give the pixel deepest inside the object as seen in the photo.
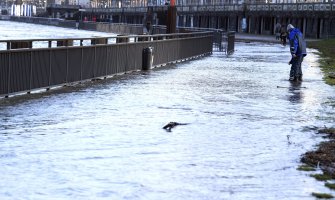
(95, 60)
(67, 65)
(81, 63)
(9, 67)
(50, 70)
(31, 71)
(106, 64)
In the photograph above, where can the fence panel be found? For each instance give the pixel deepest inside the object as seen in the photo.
(101, 61)
(122, 58)
(4, 70)
(58, 66)
(74, 64)
(88, 63)
(20, 70)
(160, 53)
(112, 60)
(135, 56)
(40, 69)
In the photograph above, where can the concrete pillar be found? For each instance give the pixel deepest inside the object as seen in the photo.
(321, 28)
(228, 24)
(261, 25)
(274, 27)
(249, 24)
(239, 24)
(304, 27)
(184, 20)
(327, 28)
(192, 21)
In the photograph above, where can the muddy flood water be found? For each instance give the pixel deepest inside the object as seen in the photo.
(104, 140)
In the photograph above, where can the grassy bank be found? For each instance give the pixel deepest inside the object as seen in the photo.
(323, 156)
(327, 50)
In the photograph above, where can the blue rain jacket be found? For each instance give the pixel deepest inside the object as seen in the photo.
(297, 43)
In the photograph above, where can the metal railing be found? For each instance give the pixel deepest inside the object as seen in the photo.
(222, 41)
(319, 6)
(220, 38)
(291, 7)
(27, 68)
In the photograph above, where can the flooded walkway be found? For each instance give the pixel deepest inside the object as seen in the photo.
(104, 140)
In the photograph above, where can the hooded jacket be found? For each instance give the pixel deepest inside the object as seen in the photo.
(297, 42)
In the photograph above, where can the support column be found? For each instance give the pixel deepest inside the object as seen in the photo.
(304, 27)
(261, 25)
(321, 28)
(184, 20)
(249, 24)
(192, 21)
(228, 24)
(239, 24)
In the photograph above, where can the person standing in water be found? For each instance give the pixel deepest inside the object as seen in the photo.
(298, 52)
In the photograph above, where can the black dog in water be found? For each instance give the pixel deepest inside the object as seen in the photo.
(172, 125)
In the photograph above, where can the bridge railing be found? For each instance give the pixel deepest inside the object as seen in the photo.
(219, 36)
(25, 69)
(296, 7)
(235, 5)
(180, 8)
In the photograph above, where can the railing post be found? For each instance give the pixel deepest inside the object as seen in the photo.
(8, 79)
(50, 70)
(31, 71)
(67, 65)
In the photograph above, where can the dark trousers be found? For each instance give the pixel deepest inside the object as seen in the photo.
(296, 67)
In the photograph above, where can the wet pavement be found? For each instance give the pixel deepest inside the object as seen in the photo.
(104, 140)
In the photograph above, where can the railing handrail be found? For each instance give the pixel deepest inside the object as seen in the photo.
(170, 36)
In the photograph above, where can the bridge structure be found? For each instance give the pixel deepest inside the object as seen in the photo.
(315, 19)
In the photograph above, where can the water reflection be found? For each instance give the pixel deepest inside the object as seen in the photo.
(296, 92)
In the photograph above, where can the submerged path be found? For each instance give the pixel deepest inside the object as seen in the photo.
(104, 140)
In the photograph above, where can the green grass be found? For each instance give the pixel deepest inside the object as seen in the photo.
(321, 177)
(330, 185)
(322, 195)
(327, 49)
(305, 168)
